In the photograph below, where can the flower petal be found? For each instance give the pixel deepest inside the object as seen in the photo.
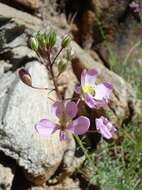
(79, 126)
(92, 103)
(58, 109)
(89, 100)
(77, 89)
(103, 91)
(71, 109)
(88, 77)
(45, 127)
(105, 127)
(62, 136)
(83, 76)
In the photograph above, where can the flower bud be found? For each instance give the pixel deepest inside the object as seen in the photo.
(34, 43)
(66, 41)
(25, 77)
(52, 38)
(41, 39)
(62, 66)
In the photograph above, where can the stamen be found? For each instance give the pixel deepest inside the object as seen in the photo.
(88, 88)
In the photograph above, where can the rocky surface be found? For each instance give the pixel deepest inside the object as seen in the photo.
(32, 4)
(26, 5)
(123, 32)
(21, 18)
(7, 171)
(20, 141)
(108, 27)
(6, 177)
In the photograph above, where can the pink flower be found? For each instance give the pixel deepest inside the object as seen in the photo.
(94, 95)
(135, 6)
(105, 127)
(66, 123)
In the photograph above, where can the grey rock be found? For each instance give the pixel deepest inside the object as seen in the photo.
(20, 17)
(6, 178)
(21, 108)
(7, 172)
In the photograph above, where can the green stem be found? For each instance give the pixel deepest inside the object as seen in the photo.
(84, 151)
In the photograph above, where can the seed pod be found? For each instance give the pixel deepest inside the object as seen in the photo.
(25, 77)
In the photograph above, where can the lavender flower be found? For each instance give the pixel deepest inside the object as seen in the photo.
(105, 127)
(135, 6)
(94, 95)
(66, 123)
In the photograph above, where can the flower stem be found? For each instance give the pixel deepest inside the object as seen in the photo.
(85, 151)
(57, 56)
(50, 66)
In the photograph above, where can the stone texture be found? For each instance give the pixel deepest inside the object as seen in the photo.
(20, 17)
(6, 178)
(21, 108)
(123, 31)
(66, 184)
(7, 172)
(31, 4)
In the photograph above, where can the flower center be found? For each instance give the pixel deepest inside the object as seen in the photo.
(88, 88)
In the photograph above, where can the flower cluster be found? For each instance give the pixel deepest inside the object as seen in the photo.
(94, 95)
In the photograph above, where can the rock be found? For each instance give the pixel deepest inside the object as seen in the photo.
(31, 4)
(6, 178)
(123, 32)
(39, 157)
(109, 27)
(21, 18)
(66, 184)
(7, 171)
(123, 105)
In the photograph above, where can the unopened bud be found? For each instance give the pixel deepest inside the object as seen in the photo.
(25, 77)
(34, 43)
(62, 66)
(66, 41)
(41, 39)
(52, 38)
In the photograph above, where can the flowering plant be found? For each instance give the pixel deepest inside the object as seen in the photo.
(94, 95)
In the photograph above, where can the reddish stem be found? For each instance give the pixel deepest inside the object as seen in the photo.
(50, 66)
(57, 56)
